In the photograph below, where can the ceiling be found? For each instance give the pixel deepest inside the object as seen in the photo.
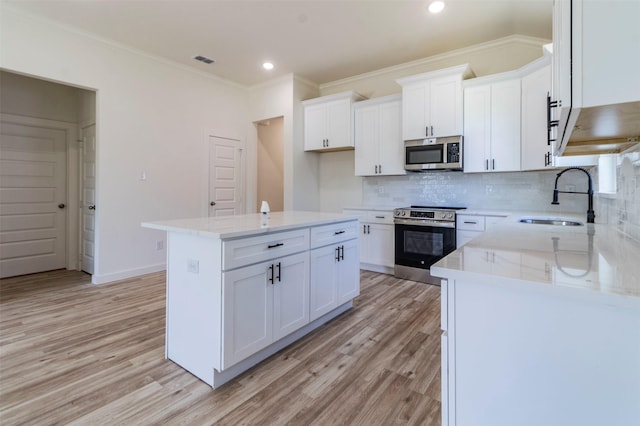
(320, 40)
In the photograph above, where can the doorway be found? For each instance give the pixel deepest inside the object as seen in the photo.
(270, 173)
(41, 161)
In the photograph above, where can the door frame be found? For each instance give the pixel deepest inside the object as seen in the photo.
(223, 134)
(73, 177)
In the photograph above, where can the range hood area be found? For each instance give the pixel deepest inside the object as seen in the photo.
(608, 129)
(595, 99)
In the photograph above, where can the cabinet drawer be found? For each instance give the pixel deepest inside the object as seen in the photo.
(467, 222)
(379, 217)
(333, 233)
(245, 251)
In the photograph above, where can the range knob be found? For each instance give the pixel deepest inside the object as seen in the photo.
(450, 216)
(404, 212)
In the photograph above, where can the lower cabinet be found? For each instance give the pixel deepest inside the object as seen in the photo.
(263, 303)
(335, 276)
(377, 252)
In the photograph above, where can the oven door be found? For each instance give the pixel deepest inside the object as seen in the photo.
(420, 246)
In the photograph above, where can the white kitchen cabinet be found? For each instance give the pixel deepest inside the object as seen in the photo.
(334, 276)
(328, 122)
(377, 234)
(379, 148)
(263, 303)
(469, 226)
(536, 147)
(432, 103)
(237, 293)
(596, 57)
(512, 346)
(492, 125)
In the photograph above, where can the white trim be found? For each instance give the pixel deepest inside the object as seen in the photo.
(73, 197)
(533, 41)
(121, 46)
(126, 274)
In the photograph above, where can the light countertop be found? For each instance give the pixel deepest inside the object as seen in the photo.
(592, 257)
(245, 225)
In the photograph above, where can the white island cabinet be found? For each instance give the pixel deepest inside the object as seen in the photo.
(541, 326)
(239, 291)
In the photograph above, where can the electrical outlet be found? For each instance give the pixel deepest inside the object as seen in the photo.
(488, 189)
(159, 244)
(193, 266)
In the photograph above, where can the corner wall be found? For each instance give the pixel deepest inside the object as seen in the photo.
(151, 116)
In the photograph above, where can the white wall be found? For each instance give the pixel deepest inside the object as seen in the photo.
(30, 97)
(151, 116)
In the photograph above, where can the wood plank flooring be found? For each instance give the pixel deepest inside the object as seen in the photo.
(76, 353)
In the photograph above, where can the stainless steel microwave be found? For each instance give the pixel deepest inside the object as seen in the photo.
(433, 154)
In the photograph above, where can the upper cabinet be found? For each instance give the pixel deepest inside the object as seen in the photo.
(432, 103)
(492, 124)
(379, 149)
(536, 146)
(596, 89)
(328, 122)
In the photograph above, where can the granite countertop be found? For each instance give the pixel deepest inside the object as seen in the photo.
(592, 257)
(245, 225)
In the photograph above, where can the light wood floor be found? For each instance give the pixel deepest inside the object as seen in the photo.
(76, 353)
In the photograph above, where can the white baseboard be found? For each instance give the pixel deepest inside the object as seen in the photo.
(129, 273)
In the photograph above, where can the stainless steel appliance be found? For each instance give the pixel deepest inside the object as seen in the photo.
(423, 235)
(433, 154)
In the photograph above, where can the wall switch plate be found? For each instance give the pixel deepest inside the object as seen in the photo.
(193, 266)
(159, 244)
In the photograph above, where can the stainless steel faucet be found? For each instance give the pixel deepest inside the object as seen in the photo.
(590, 213)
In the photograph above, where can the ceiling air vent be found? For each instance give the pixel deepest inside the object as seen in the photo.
(203, 59)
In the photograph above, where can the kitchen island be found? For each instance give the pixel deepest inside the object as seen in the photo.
(541, 325)
(240, 288)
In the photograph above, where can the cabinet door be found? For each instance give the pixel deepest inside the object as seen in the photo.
(380, 244)
(247, 312)
(505, 126)
(445, 106)
(414, 111)
(290, 294)
(323, 284)
(314, 127)
(477, 130)
(366, 140)
(338, 130)
(348, 275)
(535, 87)
(390, 144)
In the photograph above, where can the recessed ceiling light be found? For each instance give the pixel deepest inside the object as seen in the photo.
(203, 59)
(267, 66)
(436, 6)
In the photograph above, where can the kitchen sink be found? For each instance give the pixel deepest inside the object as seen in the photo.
(557, 222)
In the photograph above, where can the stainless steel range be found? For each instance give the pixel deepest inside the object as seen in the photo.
(423, 235)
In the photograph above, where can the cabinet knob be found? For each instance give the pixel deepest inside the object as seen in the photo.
(213, 203)
(61, 206)
(92, 207)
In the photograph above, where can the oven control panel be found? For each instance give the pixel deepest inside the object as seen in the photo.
(424, 214)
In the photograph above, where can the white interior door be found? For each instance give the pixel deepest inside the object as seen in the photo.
(225, 177)
(33, 199)
(88, 201)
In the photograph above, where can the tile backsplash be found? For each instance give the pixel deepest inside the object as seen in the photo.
(623, 208)
(530, 191)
